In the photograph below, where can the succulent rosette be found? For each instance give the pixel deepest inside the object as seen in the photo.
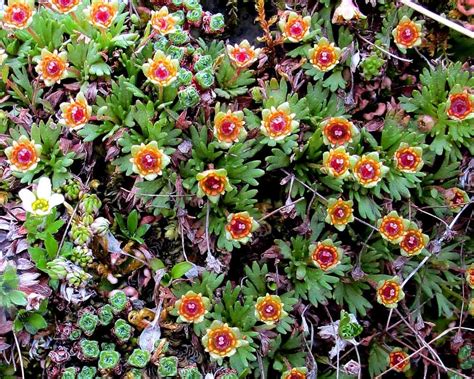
(408, 34)
(347, 11)
(75, 113)
(229, 127)
(368, 170)
(222, 341)
(390, 292)
(41, 201)
(192, 307)
(148, 160)
(163, 22)
(325, 255)
(52, 67)
(240, 226)
(408, 159)
(413, 241)
(278, 123)
(294, 27)
(243, 55)
(460, 105)
(392, 227)
(269, 309)
(162, 70)
(102, 13)
(213, 184)
(23, 155)
(324, 56)
(398, 360)
(64, 6)
(338, 131)
(456, 198)
(336, 163)
(339, 213)
(295, 373)
(470, 276)
(18, 14)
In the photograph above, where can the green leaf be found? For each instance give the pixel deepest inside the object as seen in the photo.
(180, 269)
(17, 297)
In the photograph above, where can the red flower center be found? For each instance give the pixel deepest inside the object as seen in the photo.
(296, 375)
(325, 256)
(338, 163)
(24, 155)
(149, 161)
(458, 198)
(213, 182)
(269, 310)
(162, 23)
(460, 106)
(53, 67)
(389, 292)
(19, 15)
(102, 15)
(367, 171)
(296, 29)
(325, 57)
(192, 307)
(227, 127)
(241, 55)
(392, 228)
(222, 341)
(411, 241)
(407, 159)
(338, 133)
(78, 113)
(162, 72)
(65, 3)
(278, 123)
(239, 227)
(340, 213)
(408, 34)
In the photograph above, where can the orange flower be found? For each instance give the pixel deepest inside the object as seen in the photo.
(64, 6)
(413, 242)
(229, 127)
(163, 22)
(407, 34)
(148, 160)
(336, 163)
(368, 170)
(102, 13)
(23, 155)
(295, 373)
(408, 159)
(456, 198)
(269, 309)
(295, 27)
(277, 123)
(470, 275)
(460, 106)
(52, 67)
(76, 113)
(243, 54)
(392, 227)
(325, 254)
(18, 14)
(389, 292)
(162, 70)
(222, 341)
(213, 183)
(340, 213)
(337, 131)
(240, 227)
(398, 360)
(324, 56)
(192, 307)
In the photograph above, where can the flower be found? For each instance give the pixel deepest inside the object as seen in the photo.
(76, 113)
(162, 70)
(269, 309)
(213, 183)
(222, 341)
(64, 6)
(192, 307)
(398, 360)
(413, 241)
(337, 131)
(407, 34)
(41, 201)
(392, 227)
(23, 155)
(460, 106)
(389, 292)
(324, 56)
(336, 163)
(368, 170)
(229, 127)
(325, 255)
(243, 54)
(295, 27)
(163, 22)
(277, 123)
(240, 226)
(470, 275)
(18, 14)
(102, 13)
(148, 160)
(347, 11)
(408, 159)
(295, 373)
(52, 67)
(456, 198)
(340, 213)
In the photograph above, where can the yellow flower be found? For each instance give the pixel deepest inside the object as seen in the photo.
(229, 127)
(18, 14)
(278, 123)
(222, 341)
(392, 227)
(337, 131)
(192, 307)
(295, 373)
(148, 160)
(470, 275)
(460, 106)
(163, 22)
(325, 255)
(295, 27)
(407, 34)
(102, 13)
(64, 6)
(413, 242)
(389, 292)
(324, 56)
(340, 213)
(213, 183)
(269, 309)
(336, 163)
(240, 226)
(23, 155)
(52, 67)
(161, 70)
(243, 54)
(368, 170)
(408, 159)
(76, 113)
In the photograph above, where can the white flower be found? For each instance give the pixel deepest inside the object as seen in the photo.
(41, 201)
(347, 11)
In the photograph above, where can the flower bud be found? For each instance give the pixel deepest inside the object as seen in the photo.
(100, 226)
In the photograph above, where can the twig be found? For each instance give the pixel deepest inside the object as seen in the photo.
(279, 209)
(384, 51)
(20, 358)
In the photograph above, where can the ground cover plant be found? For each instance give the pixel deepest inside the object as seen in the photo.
(236, 189)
